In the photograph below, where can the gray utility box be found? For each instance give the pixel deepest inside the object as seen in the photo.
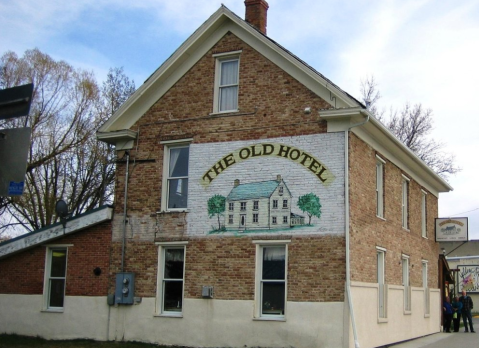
(125, 288)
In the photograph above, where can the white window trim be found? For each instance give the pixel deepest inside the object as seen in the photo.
(404, 202)
(169, 144)
(406, 283)
(424, 214)
(46, 279)
(220, 57)
(382, 287)
(159, 283)
(380, 187)
(427, 301)
(258, 269)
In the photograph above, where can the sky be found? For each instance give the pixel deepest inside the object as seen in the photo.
(419, 51)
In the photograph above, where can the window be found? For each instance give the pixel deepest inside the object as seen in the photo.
(382, 299)
(55, 278)
(379, 187)
(285, 219)
(426, 288)
(281, 190)
(255, 205)
(423, 214)
(230, 219)
(243, 206)
(231, 206)
(285, 203)
(274, 220)
(255, 218)
(405, 198)
(226, 82)
(175, 176)
(275, 204)
(171, 269)
(271, 279)
(405, 283)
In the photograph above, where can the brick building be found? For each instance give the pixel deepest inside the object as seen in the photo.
(230, 104)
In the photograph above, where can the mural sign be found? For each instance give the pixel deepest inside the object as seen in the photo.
(451, 229)
(468, 277)
(288, 185)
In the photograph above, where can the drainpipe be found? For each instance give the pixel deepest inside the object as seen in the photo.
(346, 198)
(127, 153)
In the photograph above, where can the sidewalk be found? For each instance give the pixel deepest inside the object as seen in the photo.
(445, 340)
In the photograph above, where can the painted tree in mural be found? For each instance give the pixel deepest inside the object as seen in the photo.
(216, 207)
(310, 205)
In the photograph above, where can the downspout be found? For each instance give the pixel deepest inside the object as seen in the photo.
(127, 153)
(346, 199)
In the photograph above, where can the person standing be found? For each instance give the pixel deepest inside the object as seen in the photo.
(456, 315)
(447, 314)
(467, 306)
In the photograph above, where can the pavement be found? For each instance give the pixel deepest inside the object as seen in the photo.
(445, 340)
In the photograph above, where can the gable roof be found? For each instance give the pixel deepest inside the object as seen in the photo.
(55, 231)
(254, 190)
(195, 47)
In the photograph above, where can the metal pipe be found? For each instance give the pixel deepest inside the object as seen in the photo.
(346, 207)
(125, 197)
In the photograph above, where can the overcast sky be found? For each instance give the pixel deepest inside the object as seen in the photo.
(419, 51)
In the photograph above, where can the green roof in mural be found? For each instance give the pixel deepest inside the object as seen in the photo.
(253, 190)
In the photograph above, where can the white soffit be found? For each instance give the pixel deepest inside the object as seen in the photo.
(56, 231)
(382, 140)
(196, 46)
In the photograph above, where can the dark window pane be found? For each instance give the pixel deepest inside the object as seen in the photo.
(174, 259)
(173, 291)
(59, 261)
(179, 161)
(273, 298)
(178, 193)
(57, 291)
(274, 262)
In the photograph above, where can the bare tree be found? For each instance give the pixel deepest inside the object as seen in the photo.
(65, 159)
(412, 125)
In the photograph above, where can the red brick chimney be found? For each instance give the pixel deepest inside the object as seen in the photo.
(256, 14)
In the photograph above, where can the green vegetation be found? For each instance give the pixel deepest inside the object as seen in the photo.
(16, 341)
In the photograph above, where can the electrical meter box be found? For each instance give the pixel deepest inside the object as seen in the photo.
(125, 288)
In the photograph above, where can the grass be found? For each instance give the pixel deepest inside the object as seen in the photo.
(16, 341)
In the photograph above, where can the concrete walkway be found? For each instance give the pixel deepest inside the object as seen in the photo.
(445, 340)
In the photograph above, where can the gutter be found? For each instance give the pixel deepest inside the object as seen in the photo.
(346, 202)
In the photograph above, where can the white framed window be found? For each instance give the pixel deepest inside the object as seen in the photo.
(255, 218)
(175, 175)
(271, 279)
(243, 206)
(424, 214)
(255, 205)
(226, 82)
(405, 283)
(425, 287)
(55, 278)
(274, 220)
(231, 206)
(380, 187)
(275, 204)
(230, 219)
(281, 190)
(171, 278)
(382, 288)
(405, 202)
(285, 219)
(285, 204)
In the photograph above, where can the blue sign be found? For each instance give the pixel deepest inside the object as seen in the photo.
(16, 188)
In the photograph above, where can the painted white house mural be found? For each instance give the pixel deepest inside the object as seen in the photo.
(282, 186)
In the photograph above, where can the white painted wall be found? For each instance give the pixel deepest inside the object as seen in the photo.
(398, 326)
(205, 322)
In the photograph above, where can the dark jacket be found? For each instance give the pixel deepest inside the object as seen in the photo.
(467, 303)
